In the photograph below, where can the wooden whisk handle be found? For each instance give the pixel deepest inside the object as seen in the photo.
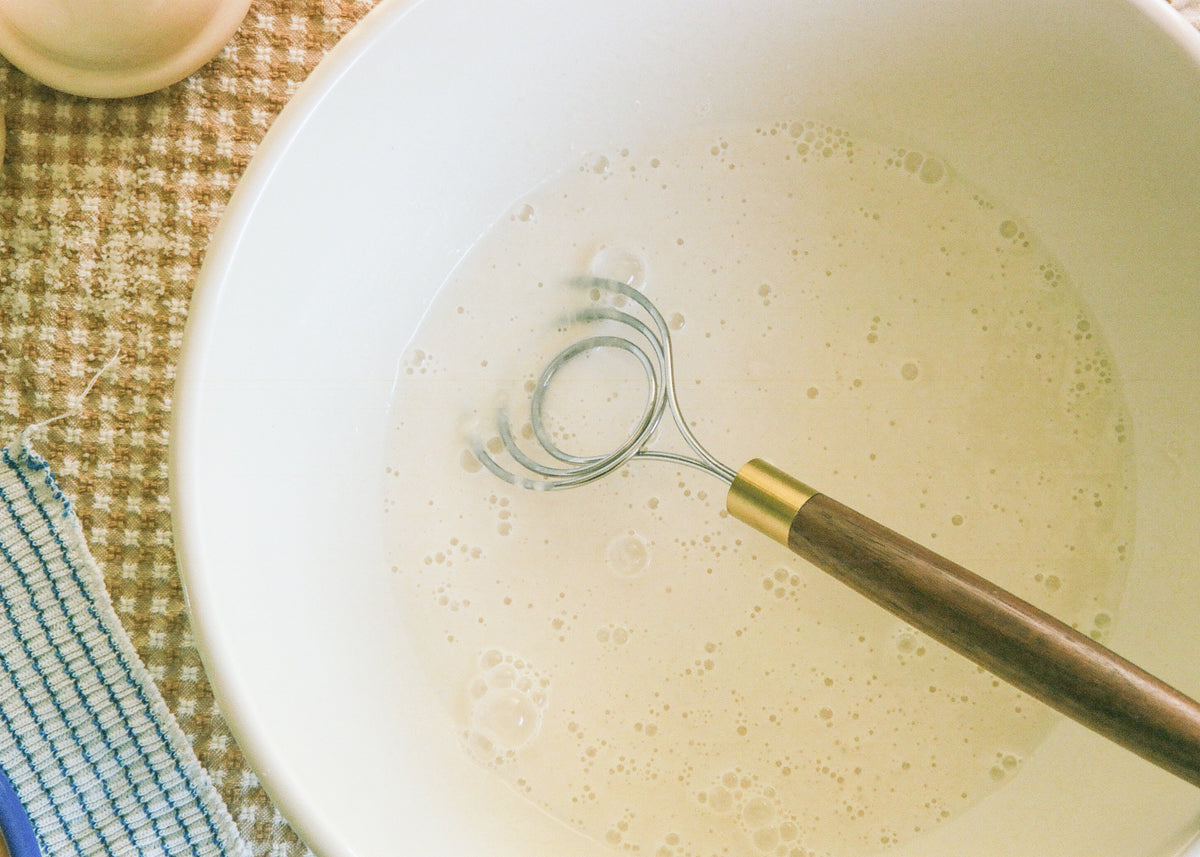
(1009, 637)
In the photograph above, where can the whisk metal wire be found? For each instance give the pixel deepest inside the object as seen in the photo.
(650, 345)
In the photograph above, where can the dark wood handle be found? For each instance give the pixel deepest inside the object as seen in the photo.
(1007, 636)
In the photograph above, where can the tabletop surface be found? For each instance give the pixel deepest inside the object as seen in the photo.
(106, 208)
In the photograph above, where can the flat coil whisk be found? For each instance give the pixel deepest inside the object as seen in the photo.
(650, 345)
(1011, 638)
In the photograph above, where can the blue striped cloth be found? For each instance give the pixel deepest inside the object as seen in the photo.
(90, 748)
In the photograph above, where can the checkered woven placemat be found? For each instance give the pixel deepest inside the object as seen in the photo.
(106, 208)
(1190, 9)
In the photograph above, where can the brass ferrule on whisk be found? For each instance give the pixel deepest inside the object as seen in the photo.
(767, 499)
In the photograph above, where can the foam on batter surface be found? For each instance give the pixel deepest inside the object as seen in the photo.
(645, 668)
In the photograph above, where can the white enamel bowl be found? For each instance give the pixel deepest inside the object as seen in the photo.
(423, 127)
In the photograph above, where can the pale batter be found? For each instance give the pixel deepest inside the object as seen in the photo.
(647, 669)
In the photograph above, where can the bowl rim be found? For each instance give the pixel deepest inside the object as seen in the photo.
(251, 734)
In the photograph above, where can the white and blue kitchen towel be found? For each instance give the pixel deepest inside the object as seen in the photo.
(86, 741)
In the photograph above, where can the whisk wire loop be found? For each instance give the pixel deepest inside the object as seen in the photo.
(650, 345)
(645, 426)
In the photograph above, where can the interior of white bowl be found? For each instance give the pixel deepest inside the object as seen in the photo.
(422, 129)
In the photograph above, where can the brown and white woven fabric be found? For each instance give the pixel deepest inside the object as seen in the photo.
(106, 208)
(1190, 9)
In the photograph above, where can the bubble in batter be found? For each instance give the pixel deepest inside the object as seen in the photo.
(616, 263)
(507, 699)
(628, 555)
(506, 717)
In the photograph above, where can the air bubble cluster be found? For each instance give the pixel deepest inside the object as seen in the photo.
(928, 169)
(507, 699)
(754, 808)
(820, 140)
(418, 362)
(612, 636)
